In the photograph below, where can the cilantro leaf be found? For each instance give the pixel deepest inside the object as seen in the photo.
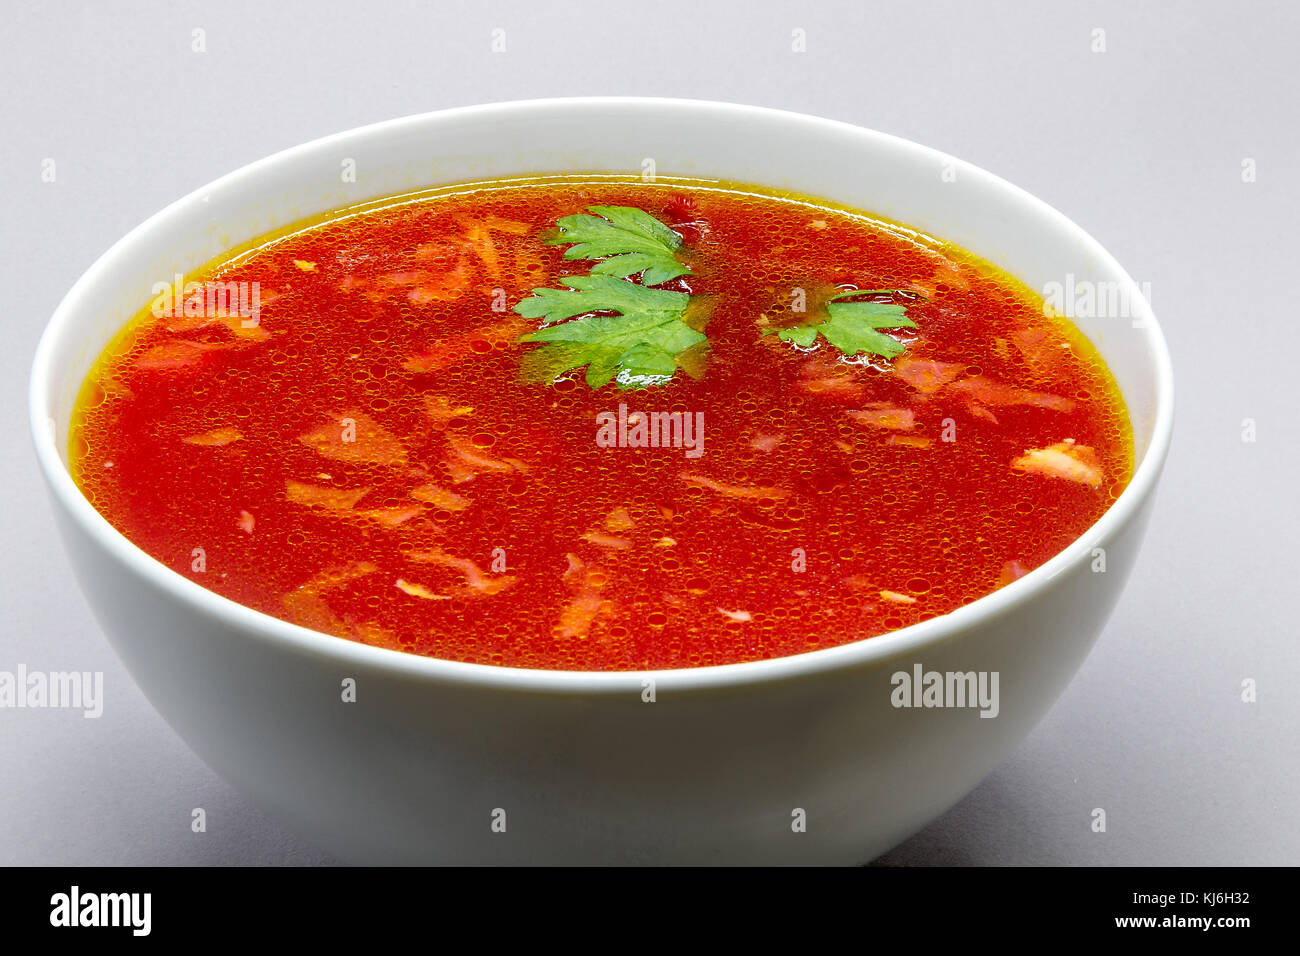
(852, 326)
(627, 240)
(642, 344)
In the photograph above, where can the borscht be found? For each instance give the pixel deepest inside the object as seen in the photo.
(596, 423)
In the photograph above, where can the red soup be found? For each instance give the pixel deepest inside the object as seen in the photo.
(594, 424)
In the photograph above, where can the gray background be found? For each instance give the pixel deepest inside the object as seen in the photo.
(1142, 145)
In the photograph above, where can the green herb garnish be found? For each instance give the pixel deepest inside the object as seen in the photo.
(642, 344)
(626, 240)
(852, 327)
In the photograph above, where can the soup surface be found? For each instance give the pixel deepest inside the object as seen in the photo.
(600, 424)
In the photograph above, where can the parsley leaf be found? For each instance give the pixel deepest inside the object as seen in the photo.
(598, 294)
(852, 326)
(643, 344)
(627, 240)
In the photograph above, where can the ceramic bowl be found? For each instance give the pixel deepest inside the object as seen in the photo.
(803, 759)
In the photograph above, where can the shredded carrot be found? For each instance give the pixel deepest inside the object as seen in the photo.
(735, 491)
(419, 590)
(897, 598)
(440, 498)
(607, 541)
(475, 580)
(392, 517)
(319, 496)
(217, 436)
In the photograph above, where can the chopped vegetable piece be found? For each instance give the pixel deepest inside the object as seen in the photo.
(419, 590)
(355, 437)
(1012, 571)
(895, 597)
(1063, 460)
(619, 520)
(926, 375)
(579, 613)
(735, 491)
(440, 498)
(465, 460)
(319, 496)
(607, 541)
(475, 580)
(441, 410)
(898, 419)
(912, 441)
(392, 517)
(742, 617)
(986, 391)
(217, 436)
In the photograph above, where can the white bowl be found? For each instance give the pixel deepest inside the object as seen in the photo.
(578, 765)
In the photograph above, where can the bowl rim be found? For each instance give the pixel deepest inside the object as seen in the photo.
(865, 651)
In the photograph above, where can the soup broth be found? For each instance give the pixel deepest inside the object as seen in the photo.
(382, 424)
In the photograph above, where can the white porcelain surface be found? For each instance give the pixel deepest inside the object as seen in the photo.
(584, 770)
